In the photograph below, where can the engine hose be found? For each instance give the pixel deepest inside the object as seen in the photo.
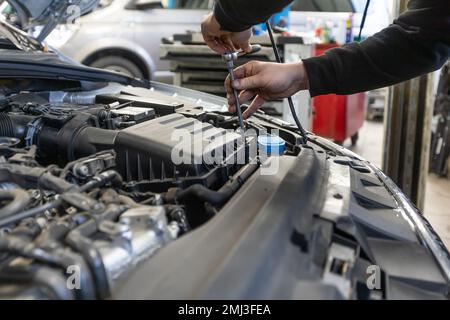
(52, 183)
(18, 200)
(60, 257)
(14, 126)
(54, 281)
(49, 278)
(32, 178)
(199, 191)
(128, 201)
(86, 97)
(6, 126)
(30, 213)
(92, 256)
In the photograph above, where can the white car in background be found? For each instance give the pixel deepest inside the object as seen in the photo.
(124, 35)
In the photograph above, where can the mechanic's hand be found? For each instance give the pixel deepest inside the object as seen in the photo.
(224, 41)
(265, 81)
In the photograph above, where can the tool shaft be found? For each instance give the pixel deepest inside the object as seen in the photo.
(236, 96)
(229, 59)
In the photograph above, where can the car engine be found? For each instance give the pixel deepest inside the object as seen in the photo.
(89, 188)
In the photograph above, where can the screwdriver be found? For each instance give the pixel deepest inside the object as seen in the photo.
(229, 58)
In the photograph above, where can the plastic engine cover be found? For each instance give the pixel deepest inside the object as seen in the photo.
(145, 150)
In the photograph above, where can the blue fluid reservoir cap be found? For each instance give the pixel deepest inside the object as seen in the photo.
(271, 144)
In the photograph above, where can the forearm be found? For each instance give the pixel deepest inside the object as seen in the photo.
(239, 15)
(418, 43)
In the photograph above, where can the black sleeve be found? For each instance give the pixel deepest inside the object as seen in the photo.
(417, 43)
(239, 15)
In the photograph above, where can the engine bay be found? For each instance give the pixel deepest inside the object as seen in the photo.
(89, 185)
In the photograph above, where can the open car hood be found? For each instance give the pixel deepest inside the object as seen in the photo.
(22, 56)
(33, 65)
(49, 13)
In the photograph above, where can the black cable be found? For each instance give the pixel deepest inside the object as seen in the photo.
(30, 213)
(291, 104)
(363, 21)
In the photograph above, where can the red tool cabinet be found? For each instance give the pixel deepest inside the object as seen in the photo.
(337, 117)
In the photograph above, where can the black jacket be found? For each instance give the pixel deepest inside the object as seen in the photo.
(416, 43)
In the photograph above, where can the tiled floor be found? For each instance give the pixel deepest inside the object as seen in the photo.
(437, 206)
(437, 198)
(370, 142)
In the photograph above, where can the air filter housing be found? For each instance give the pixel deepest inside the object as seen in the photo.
(174, 146)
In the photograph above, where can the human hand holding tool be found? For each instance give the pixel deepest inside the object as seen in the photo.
(223, 41)
(229, 58)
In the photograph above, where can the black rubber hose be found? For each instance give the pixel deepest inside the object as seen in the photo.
(199, 191)
(291, 104)
(29, 213)
(59, 257)
(33, 178)
(52, 183)
(15, 125)
(6, 126)
(54, 282)
(93, 258)
(18, 199)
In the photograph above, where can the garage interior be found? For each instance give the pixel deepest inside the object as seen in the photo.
(92, 93)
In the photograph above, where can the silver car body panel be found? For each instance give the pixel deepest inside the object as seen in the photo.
(137, 31)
